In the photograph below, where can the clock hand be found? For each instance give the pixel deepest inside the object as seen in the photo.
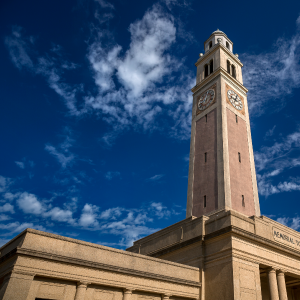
(205, 98)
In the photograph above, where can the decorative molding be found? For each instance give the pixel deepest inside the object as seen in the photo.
(95, 265)
(105, 248)
(217, 72)
(214, 49)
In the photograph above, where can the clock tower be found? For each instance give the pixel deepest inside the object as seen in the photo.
(221, 171)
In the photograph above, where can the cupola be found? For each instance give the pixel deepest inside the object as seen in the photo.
(217, 37)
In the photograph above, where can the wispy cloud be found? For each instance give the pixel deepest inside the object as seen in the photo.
(271, 161)
(62, 152)
(270, 132)
(275, 155)
(30, 204)
(131, 86)
(105, 4)
(127, 223)
(25, 163)
(89, 216)
(17, 227)
(20, 164)
(5, 182)
(294, 223)
(156, 177)
(7, 208)
(277, 69)
(160, 210)
(112, 174)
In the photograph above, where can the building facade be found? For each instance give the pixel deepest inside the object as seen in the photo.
(224, 249)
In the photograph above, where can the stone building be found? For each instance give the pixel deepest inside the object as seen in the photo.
(224, 249)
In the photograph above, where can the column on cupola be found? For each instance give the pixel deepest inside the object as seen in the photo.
(281, 285)
(81, 290)
(273, 284)
(127, 294)
(166, 297)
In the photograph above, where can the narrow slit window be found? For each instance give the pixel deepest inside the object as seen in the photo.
(205, 71)
(243, 201)
(204, 201)
(233, 71)
(236, 119)
(227, 45)
(239, 154)
(205, 157)
(206, 118)
(210, 45)
(228, 66)
(211, 66)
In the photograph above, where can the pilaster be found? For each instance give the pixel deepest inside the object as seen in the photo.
(16, 285)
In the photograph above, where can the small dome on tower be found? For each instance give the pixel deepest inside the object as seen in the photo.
(218, 31)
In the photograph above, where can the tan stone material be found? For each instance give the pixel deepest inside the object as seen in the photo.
(281, 286)
(273, 284)
(226, 252)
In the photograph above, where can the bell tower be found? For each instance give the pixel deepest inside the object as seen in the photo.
(221, 169)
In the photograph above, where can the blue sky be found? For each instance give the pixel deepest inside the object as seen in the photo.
(96, 106)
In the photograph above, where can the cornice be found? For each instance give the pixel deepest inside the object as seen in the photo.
(102, 266)
(220, 71)
(79, 242)
(230, 231)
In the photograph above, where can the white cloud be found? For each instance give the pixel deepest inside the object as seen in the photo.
(17, 227)
(294, 223)
(267, 188)
(278, 70)
(10, 196)
(132, 90)
(110, 175)
(4, 217)
(20, 164)
(19, 46)
(112, 213)
(7, 208)
(62, 152)
(129, 224)
(63, 158)
(4, 183)
(156, 177)
(144, 62)
(298, 21)
(88, 217)
(50, 66)
(270, 132)
(128, 228)
(29, 204)
(105, 4)
(160, 210)
(173, 3)
(60, 215)
(273, 155)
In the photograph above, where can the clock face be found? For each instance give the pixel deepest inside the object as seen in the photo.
(206, 99)
(235, 100)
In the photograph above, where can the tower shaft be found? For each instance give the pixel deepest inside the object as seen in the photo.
(221, 169)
